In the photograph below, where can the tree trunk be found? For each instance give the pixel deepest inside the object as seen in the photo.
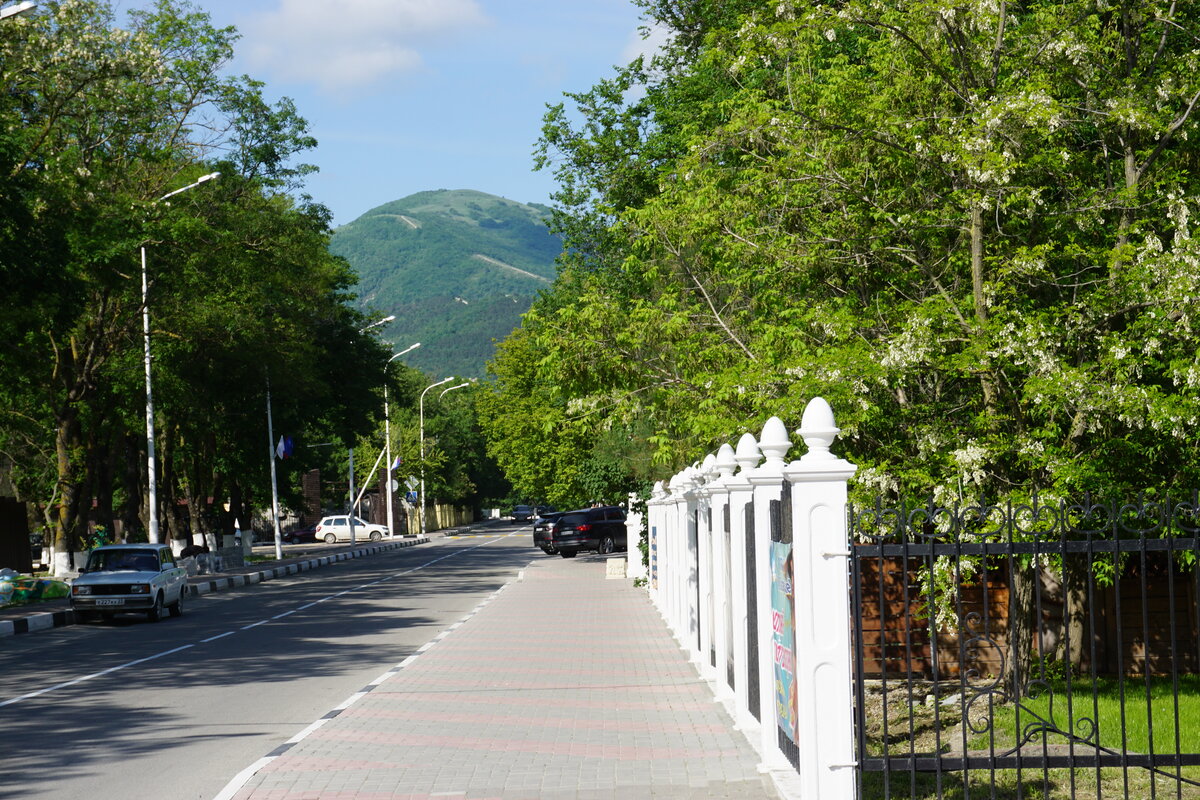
(1021, 628)
(67, 517)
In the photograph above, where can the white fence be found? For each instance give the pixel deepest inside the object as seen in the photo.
(748, 565)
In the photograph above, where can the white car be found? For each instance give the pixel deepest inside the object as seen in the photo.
(125, 578)
(337, 529)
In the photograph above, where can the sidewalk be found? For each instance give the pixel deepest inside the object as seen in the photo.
(563, 684)
(56, 613)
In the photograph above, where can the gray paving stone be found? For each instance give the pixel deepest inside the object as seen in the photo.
(593, 702)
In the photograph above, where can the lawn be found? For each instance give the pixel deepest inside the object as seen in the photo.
(1123, 721)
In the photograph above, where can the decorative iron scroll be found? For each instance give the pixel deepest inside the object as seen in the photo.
(990, 694)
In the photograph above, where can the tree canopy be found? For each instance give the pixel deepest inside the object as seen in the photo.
(966, 226)
(99, 123)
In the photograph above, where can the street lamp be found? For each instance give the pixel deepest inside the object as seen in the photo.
(353, 504)
(387, 435)
(151, 474)
(422, 414)
(19, 8)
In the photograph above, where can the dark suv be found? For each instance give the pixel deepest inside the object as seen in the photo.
(601, 529)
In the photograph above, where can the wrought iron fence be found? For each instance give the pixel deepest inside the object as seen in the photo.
(1036, 650)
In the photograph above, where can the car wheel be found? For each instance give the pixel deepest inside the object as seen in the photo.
(605, 546)
(176, 608)
(156, 611)
(376, 536)
(330, 539)
(567, 553)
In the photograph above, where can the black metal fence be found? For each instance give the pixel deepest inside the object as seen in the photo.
(1039, 650)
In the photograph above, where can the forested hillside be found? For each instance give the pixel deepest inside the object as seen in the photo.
(457, 268)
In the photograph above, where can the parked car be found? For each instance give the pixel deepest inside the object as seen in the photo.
(601, 529)
(337, 529)
(522, 513)
(302, 535)
(542, 527)
(128, 578)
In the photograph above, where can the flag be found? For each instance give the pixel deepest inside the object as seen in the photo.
(285, 448)
(396, 463)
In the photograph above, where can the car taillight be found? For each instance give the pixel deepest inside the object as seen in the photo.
(583, 528)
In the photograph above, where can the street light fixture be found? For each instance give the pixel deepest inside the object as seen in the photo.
(151, 473)
(19, 8)
(387, 435)
(353, 504)
(421, 414)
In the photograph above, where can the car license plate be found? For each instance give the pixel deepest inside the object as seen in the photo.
(111, 601)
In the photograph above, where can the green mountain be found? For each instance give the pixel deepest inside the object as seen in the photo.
(457, 268)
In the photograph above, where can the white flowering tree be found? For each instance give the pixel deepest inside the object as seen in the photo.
(966, 225)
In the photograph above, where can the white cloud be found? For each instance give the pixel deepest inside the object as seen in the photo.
(345, 45)
(659, 36)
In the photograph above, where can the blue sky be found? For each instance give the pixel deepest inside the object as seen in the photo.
(410, 95)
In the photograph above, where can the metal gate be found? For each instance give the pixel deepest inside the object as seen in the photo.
(1038, 650)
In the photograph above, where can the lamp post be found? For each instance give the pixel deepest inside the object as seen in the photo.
(421, 415)
(387, 435)
(151, 473)
(19, 8)
(353, 504)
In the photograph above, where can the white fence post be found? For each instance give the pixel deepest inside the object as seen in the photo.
(741, 495)
(634, 568)
(705, 621)
(822, 610)
(722, 545)
(768, 485)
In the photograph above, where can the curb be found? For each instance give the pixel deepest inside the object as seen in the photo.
(57, 619)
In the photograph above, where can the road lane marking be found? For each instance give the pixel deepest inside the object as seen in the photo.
(119, 667)
(93, 676)
(242, 778)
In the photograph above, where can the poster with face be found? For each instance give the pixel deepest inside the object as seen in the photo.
(784, 637)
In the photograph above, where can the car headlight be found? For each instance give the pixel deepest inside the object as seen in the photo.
(80, 591)
(139, 588)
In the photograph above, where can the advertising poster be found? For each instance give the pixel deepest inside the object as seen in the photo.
(783, 640)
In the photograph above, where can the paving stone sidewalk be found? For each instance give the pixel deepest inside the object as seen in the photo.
(562, 685)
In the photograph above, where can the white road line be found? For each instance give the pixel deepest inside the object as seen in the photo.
(243, 777)
(94, 675)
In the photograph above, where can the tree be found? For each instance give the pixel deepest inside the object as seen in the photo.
(99, 122)
(967, 227)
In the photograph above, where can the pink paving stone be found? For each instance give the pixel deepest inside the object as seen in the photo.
(622, 725)
(550, 746)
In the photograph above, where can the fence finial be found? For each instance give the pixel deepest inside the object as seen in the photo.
(747, 454)
(818, 430)
(774, 442)
(725, 463)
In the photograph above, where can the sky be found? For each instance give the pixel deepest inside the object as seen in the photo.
(405, 96)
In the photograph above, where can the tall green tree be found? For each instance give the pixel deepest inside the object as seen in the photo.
(967, 226)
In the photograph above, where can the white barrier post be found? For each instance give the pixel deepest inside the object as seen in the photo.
(724, 465)
(820, 548)
(768, 485)
(741, 495)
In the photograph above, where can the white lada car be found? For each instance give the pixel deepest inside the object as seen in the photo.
(130, 578)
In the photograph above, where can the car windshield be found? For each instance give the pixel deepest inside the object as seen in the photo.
(108, 560)
(569, 520)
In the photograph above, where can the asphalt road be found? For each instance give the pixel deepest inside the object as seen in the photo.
(129, 709)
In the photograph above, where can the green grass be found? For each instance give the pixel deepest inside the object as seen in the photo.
(914, 727)
(1121, 726)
